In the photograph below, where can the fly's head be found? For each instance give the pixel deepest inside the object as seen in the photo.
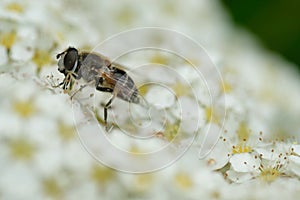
(67, 64)
(68, 61)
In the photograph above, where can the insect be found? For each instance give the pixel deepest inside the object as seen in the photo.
(97, 69)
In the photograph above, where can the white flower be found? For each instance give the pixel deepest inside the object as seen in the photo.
(236, 146)
(38, 140)
(18, 181)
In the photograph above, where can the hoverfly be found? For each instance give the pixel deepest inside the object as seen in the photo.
(97, 69)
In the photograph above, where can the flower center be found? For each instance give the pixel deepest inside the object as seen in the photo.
(8, 39)
(269, 174)
(101, 174)
(171, 130)
(14, 7)
(21, 149)
(183, 180)
(241, 148)
(65, 131)
(52, 188)
(227, 88)
(243, 132)
(41, 58)
(210, 115)
(24, 108)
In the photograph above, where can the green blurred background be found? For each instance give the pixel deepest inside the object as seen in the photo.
(276, 23)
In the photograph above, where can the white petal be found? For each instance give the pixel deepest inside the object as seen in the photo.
(21, 52)
(296, 149)
(12, 185)
(218, 158)
(295, 159)
(238, 177)
(266, 153)
(244, 162)
(208, 139)
(294, 165)
(3, 55)
(160, 96)
(191, 115)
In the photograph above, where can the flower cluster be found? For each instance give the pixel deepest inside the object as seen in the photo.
(236, 138)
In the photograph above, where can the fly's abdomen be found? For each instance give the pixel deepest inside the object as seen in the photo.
(125, 89)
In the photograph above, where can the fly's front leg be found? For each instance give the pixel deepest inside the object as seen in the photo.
(60, 84)
(81, 87)
(64, 83)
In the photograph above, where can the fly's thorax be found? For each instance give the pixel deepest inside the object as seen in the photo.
(92, 66)
(94, 60)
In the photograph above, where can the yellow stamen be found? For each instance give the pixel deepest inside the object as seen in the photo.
(52, 188)
(22, 149)
(41, 58)
(243, 132)
(66, 132)
(24, 108)
(171, 130)
(8, 39)
(269, 174)
(144, 89)
(135, 150)
(159, 59)
(241, 148)
(14, 7)
(227, 88)
(210, 115)
(102, 174)
(183, 181)
(180, 89)
(125, 15)
(143, 181)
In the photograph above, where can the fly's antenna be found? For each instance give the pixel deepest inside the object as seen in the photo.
(59, 55)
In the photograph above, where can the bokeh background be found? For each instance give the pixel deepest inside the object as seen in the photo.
(275, 24)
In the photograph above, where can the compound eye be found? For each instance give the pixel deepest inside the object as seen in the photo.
(70, 59)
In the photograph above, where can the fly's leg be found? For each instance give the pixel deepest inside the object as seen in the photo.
(107, 105)
(81, 87)
(99, 82)
(64, 83)
(52, 82)
(60, 84)
(104, 89)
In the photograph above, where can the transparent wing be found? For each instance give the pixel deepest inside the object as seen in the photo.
(123, 85)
